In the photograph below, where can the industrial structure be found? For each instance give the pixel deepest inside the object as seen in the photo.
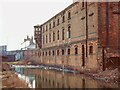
(84, 36)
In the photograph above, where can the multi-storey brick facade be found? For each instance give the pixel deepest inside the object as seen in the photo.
(79, 36)
(37, 36)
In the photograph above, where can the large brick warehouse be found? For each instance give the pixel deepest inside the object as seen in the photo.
(84, 36)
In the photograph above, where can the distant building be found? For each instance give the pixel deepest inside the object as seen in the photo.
(28, 51)
(38, 36)
(17, 53)
(31, 45)
(3, 50)
(5, 56)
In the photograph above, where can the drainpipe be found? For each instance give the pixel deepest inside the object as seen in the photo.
(107, 25)
(103, 57)
(86, 29)
(119, 40)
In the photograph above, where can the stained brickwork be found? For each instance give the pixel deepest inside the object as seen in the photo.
(92, 26)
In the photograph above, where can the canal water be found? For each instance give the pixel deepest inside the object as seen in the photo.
(44, 78)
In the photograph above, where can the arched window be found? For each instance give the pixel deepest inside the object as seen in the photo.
(53, 53)
(43, 40)
(53, 24)
(43, 53)
(49, 37)
(46, 28)
(76, 50)
(46, 38)
(62, 51)
(39, 53)
(46, 53)
(83, 4)
(69, 31)
(57, 52)
(49, 52)
(58, 35)
(69, 15)
(63, 34)
(68, 51)
(58, 21)
(91, 50)
(50, 26)
(43, 29)
(53, 36)
(63, 19)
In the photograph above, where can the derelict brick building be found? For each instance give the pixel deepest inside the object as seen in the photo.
(83, 36)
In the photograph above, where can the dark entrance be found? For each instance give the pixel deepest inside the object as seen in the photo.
(83, 56)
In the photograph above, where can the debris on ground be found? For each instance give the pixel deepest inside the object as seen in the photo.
(108, 75)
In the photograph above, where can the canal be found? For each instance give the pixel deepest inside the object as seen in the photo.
(44, 78)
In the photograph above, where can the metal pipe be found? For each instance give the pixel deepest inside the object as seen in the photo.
(86, 30)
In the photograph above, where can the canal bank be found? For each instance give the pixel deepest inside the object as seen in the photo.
(10, 79)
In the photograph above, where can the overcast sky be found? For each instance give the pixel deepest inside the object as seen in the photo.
(17, 18)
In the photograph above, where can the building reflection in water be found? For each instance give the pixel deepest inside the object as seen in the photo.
(54, 79)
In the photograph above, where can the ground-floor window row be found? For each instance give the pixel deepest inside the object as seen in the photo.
(67, 51)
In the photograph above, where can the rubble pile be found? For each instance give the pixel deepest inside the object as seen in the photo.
(108, 75)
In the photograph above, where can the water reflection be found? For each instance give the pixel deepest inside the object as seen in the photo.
(39, 78)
